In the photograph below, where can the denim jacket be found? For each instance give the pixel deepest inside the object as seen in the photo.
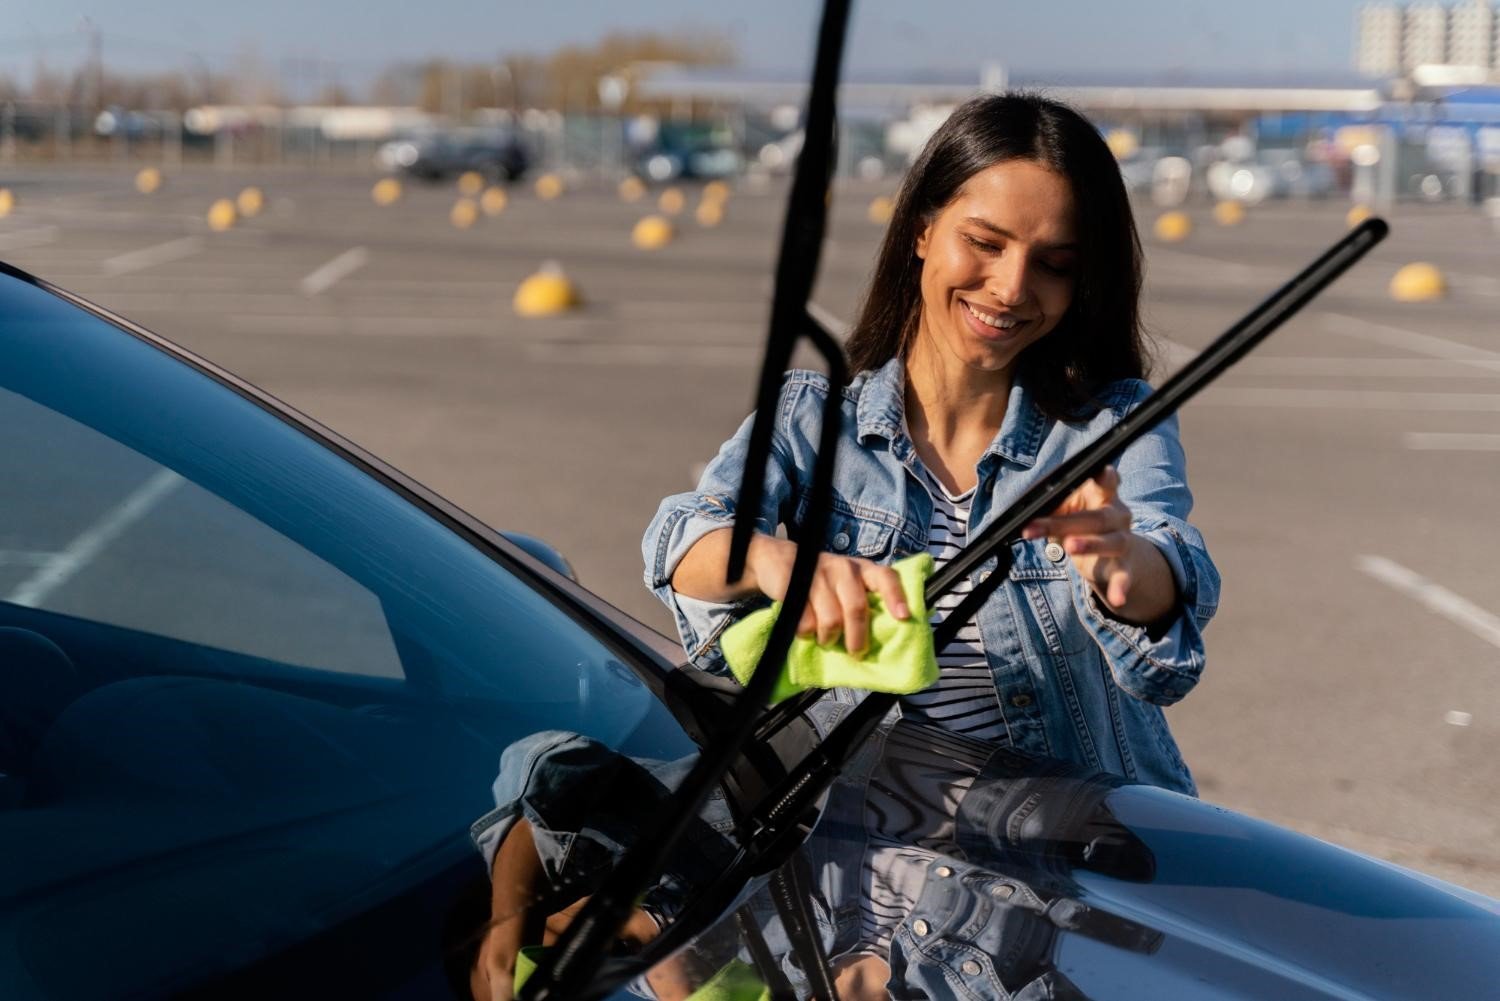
(1074, 682)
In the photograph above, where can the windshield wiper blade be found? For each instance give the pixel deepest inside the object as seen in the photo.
(570, 965)
(807, 779)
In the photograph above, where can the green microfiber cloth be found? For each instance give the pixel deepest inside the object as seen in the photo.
(898, 658)
(526, 963)
(735, 982)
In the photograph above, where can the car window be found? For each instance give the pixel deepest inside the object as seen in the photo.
(249, 693)
(98, 531)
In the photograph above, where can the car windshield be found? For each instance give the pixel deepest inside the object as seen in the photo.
(250, 692)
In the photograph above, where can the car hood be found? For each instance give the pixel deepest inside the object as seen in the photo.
(1034, 877)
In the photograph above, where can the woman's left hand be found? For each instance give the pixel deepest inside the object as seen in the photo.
(1093, 527)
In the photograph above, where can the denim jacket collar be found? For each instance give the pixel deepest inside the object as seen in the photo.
(882, 411)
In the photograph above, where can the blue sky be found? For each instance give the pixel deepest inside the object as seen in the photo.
(895, 37)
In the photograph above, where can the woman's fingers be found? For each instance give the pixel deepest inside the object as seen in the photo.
(850, 588)
(824, 601)
(1098, 493)
(887, 583)
(1097, 522)
(1109, 544)
(1108, 480)
(838, 603)
(1118, 589)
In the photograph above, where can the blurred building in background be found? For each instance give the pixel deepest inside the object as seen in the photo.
(1429, 40)
(1418, 117)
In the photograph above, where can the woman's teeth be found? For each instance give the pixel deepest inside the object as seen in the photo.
(990, 320)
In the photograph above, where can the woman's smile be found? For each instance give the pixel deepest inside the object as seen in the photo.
(990, 326)
(997, 267)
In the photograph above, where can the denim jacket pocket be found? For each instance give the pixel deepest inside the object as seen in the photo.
(851, 534)
(1048, 588)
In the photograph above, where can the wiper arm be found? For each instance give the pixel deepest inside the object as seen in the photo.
(572, 962)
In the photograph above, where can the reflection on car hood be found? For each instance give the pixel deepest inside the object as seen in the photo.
(1005, 874)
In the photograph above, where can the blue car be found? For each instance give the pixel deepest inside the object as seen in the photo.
(258, 688)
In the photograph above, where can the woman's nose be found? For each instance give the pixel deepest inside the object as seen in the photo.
(1009, 281)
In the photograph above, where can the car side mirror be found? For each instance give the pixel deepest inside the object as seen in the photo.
(537, 549)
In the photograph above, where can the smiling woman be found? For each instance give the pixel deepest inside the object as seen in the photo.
(1000, 334)
(1065, 218)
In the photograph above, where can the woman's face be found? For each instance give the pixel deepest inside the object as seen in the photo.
(997, 265)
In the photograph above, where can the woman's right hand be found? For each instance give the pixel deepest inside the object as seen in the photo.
(837, 604)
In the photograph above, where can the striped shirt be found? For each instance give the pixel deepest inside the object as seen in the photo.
(964, 699)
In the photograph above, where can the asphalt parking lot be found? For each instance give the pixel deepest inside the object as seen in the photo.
(1345, 473)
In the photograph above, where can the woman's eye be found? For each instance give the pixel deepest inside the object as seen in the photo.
(1058, 269)
(988, 248)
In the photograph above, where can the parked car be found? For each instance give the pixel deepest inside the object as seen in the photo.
(1271, 174)
(689, 152)
(704, 162)
(499, 157)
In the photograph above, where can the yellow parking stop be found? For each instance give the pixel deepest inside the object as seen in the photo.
(652, 233)
(546, 293)
(221, 215)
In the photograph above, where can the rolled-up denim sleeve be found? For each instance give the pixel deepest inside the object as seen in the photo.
(683, 519)
(1161, 664)
(544, 778)
(586, 804)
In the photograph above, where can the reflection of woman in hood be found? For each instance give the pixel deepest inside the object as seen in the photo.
(944, 859)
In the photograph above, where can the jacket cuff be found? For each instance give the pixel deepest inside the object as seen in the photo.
(513, 789)
(1157, 666)
(1191, 568)
(682, 521)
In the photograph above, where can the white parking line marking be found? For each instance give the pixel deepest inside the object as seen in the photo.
(1349, 399)
(1383, 368)
(1238, 270)
(643, 354)
(1476, 284)
(76, 555)
(1409, 340)
(146, 257)
(21, 238)
(1433, 597)
(837, 327)
(341, 266)
(1173, 355)
(1433, 441)
(375, 326)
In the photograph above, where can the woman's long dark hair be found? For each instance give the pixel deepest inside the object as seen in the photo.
(1099, 339)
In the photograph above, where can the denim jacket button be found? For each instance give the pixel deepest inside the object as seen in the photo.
(919, 928)
(841, 541)
(1020, 700)
(970, 968)
(1055, 552)
(943, 872)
